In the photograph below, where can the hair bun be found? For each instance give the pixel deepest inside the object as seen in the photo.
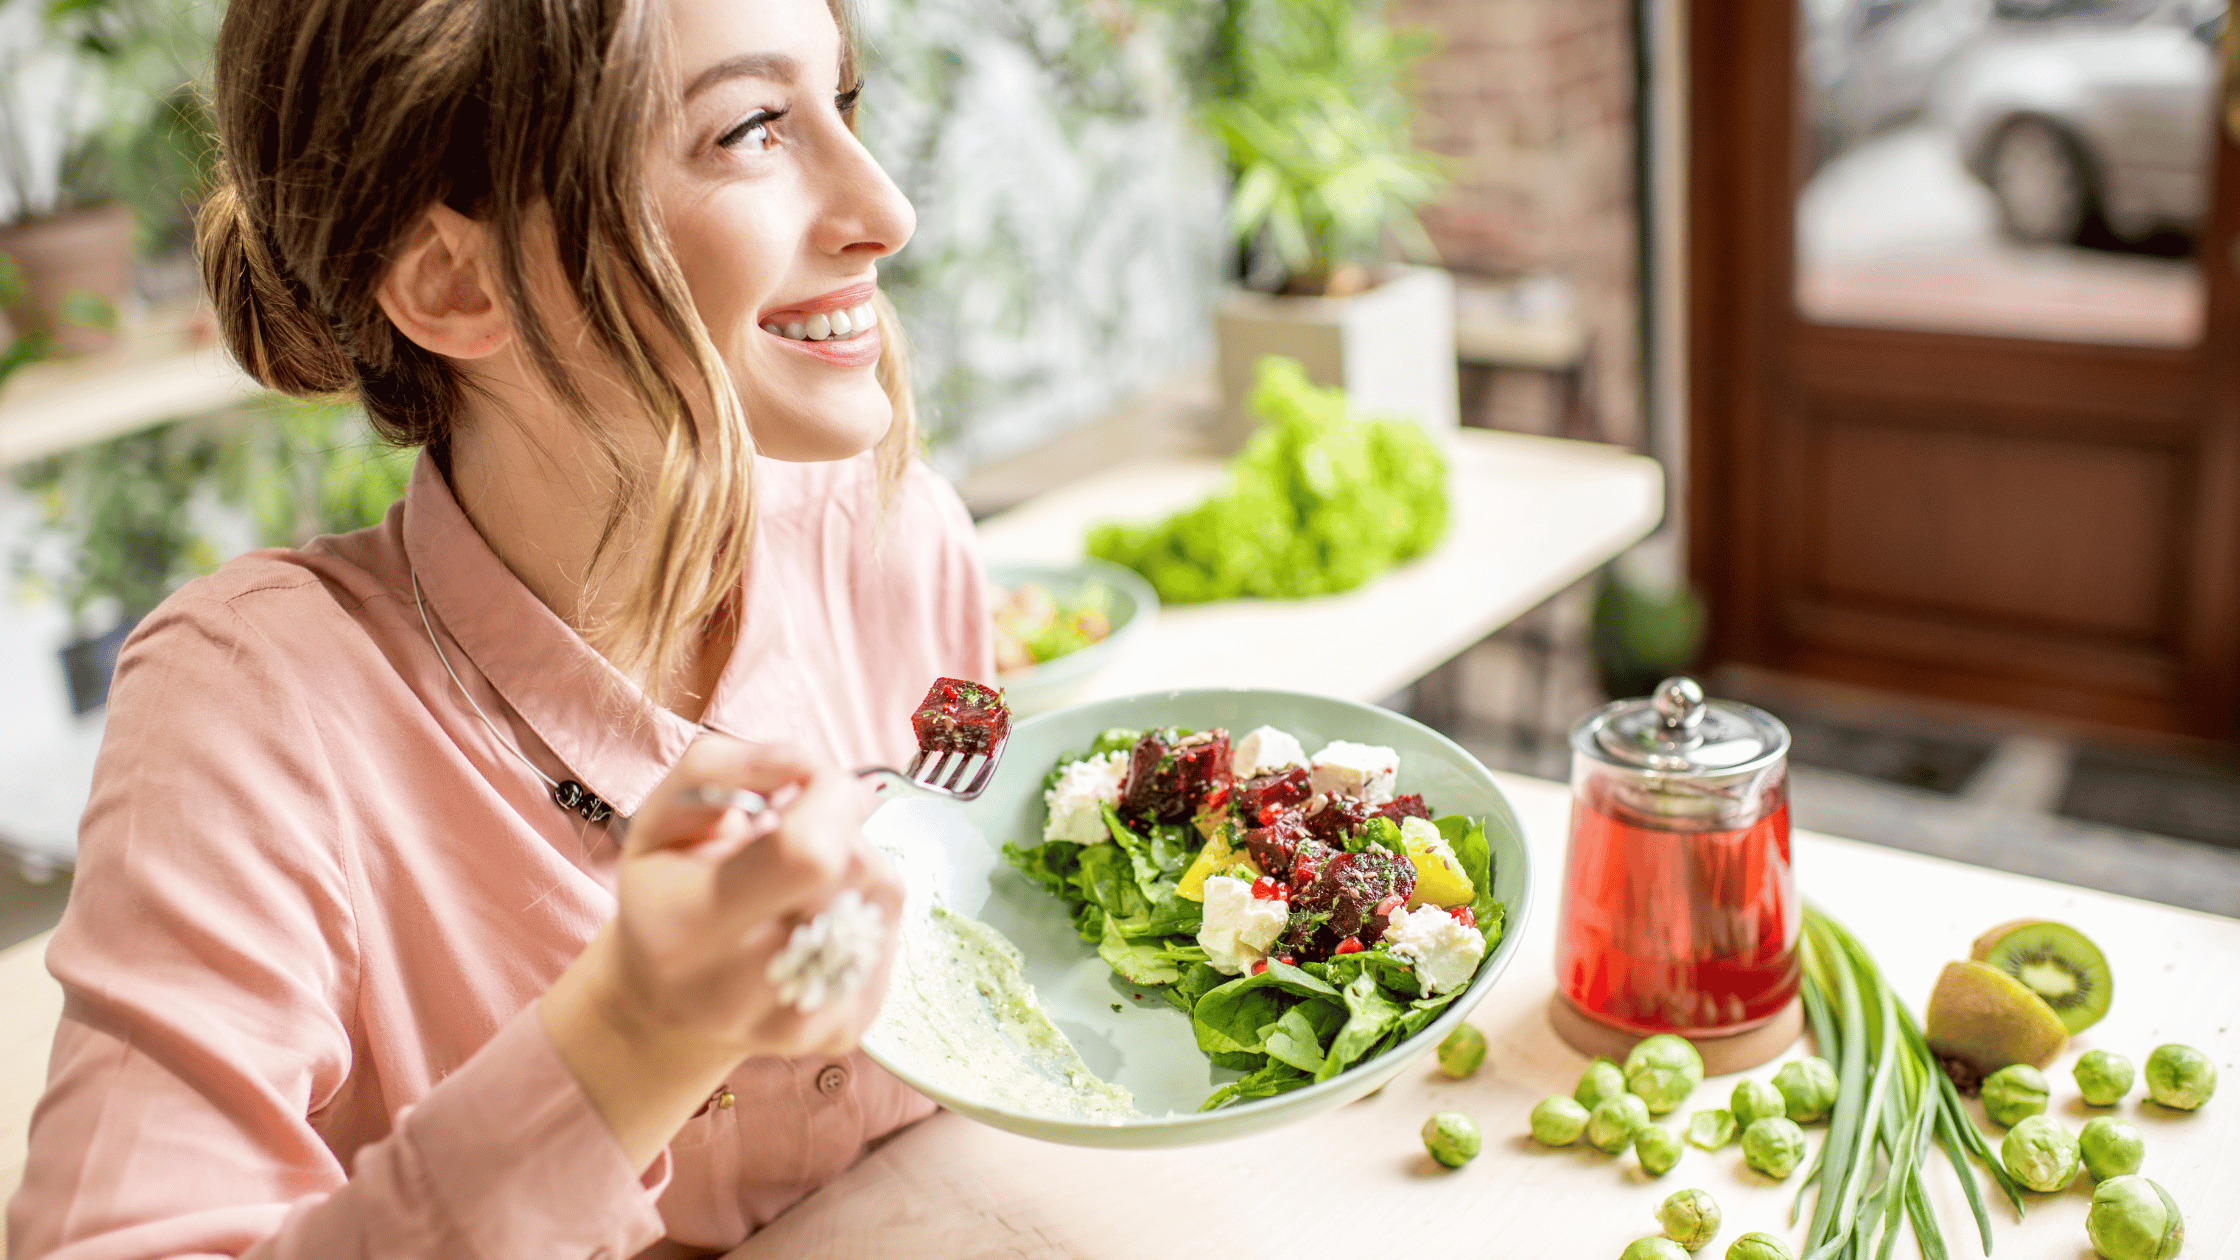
(263, 312)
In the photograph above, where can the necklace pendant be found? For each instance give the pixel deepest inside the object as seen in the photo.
(571, 795)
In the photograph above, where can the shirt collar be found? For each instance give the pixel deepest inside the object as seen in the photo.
(605, 731)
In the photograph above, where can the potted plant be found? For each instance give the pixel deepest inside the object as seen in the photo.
(118, 538)
(1310, 100)
(96, 122)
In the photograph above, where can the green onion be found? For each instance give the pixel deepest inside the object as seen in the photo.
(1892, 1102)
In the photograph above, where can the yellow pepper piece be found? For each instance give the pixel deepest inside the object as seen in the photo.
(1213, 859)
(1440, 880)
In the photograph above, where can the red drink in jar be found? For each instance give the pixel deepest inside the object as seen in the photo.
(1680, 910)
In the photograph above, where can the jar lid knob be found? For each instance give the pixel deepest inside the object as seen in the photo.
(1678, 702)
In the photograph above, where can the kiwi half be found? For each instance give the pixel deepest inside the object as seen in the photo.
(1986, 1017)
(2056, 962)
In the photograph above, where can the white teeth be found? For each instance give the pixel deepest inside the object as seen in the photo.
(828, 327)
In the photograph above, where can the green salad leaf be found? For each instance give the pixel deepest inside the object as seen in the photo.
(1317, 502)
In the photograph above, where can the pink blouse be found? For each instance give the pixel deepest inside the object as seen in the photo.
(316, 900)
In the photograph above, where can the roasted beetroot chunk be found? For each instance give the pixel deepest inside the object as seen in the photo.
(1352, 896)
(1275, 846)
(1339, 818)
(1170, 775)
(1409, 806)
(1261, 796)
(958, 716)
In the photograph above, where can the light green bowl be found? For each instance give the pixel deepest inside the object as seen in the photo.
(1147, 1045)
(1132, 606)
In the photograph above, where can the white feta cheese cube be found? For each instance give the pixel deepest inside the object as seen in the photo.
(1076, 801)
(1444, 953)
(1265, 750)
(1365, 772)
(1239, 928)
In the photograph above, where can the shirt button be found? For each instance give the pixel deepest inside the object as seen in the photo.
(832, 1080)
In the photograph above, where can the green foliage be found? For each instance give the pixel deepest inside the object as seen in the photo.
(1317, 502)
(122, 507)
(121, 510)
(308, 468)
(1640, 634)
(141, 134)
(1311, 98)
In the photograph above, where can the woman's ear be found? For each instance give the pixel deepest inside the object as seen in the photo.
(440, 291)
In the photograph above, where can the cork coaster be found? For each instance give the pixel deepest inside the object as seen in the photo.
(1733, 1052)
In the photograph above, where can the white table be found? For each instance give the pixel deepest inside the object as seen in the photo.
(1529, 516)
(1356, 1182)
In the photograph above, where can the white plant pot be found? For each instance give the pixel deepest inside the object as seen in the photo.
(1391, 348)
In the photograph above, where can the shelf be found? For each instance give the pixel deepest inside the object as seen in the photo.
(160, 371)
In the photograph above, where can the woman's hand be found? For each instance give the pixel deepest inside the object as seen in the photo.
(676, 990)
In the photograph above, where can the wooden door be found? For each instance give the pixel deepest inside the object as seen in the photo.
(1943, 499)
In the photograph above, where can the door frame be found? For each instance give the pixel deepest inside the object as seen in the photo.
(1756, 368)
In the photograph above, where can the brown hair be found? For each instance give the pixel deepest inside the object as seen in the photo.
(341, 121)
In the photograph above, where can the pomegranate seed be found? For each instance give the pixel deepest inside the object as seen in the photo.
(1350, 945)
(1268, 814)
(1259, 966)
(1302, 875)
(1390, 904)
(1216, 797)
(1267, 889)
(1287, 960)
(1464, 916)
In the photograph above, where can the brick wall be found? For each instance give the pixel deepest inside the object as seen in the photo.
(1534, 100)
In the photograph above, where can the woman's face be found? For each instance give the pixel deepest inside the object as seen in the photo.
(778, 215)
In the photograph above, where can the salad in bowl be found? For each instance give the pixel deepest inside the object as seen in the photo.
(1185, 916)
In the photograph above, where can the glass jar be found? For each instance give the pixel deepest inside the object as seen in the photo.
(1680, 910)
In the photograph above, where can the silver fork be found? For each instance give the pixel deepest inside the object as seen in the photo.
(935, 773)
(931, 772)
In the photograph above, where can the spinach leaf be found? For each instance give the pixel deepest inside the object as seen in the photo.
(1172, 847)
(1298, 1034)
(1104, 877)
(1467, 837)
(1198, 979)
(1233, 1016)
(1141, 962)
(1390, 971)
(1238, 1060)
(1276, 1078)
(1047, 864)
(1370, 1015)
(1114, 739)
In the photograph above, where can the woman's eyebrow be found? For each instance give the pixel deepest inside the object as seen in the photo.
(766, 65)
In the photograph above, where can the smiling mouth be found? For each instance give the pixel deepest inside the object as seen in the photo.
(841, 325)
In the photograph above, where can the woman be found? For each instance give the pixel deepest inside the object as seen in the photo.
(410, 919)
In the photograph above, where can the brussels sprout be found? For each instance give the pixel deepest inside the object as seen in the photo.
(1557, 1121)
(1711, 1129)
(1757, 1246)
(1658, 1148)
(2014, 1091)
(2132, 1218)
(1653, 1248)
(1808, 1087)
(1462, 1052)
(2110, 1147)
(1773, 1146)
(2103, 1077)
(2180, 1077)
(1452, 1138)
(1602, 1079)
(2040, 1154)
(1613, 1123)
(1690, 1218)
(1755, 1100)
(1663, 1070)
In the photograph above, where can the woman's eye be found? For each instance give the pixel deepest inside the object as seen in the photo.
(753, 130)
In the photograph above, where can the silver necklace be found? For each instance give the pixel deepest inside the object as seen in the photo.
(566, 793)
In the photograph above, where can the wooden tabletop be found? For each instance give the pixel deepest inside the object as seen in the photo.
(1530, 516)
(1356, 1181)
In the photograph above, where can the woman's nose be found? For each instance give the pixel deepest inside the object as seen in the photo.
(864, 213)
